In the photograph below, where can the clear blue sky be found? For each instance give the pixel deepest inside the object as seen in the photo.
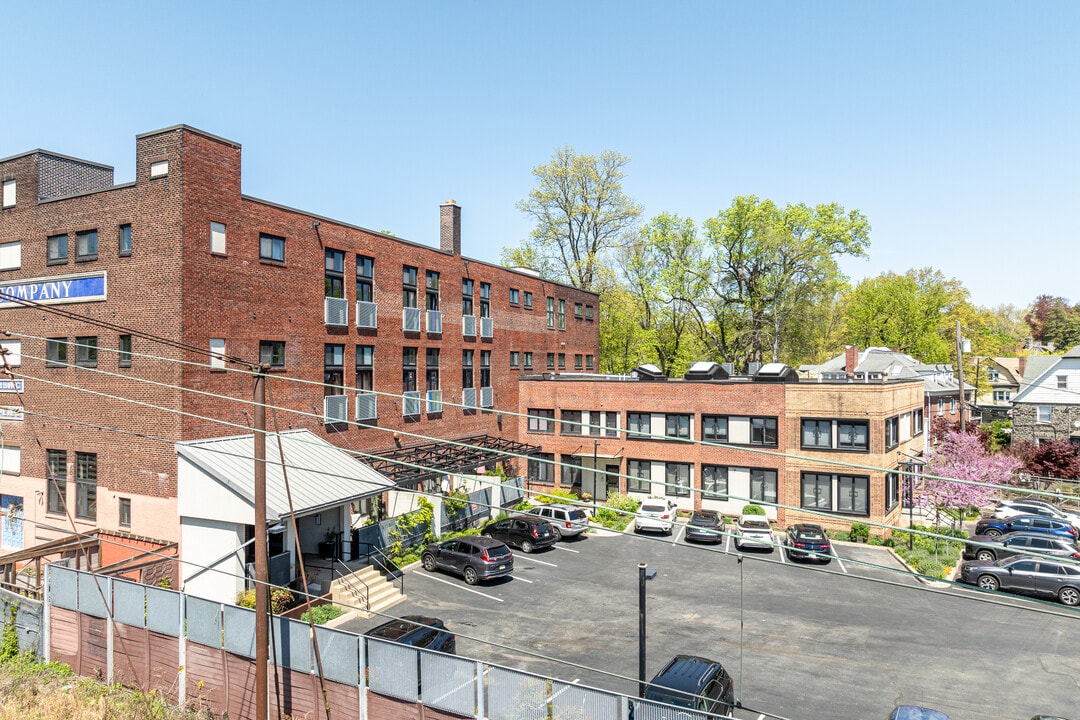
(953, 126)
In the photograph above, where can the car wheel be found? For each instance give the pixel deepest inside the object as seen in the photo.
(429, 563)
(989, 582)
(1069, 596)
(526, 546)
(985, 556)
(993, 532)
(471, 578)
(557, 533)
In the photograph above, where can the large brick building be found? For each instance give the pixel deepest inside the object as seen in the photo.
(125, 305)
(821, 451)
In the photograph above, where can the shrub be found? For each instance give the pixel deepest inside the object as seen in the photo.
(281, 599)
(753, 510)
(558, 496)
(931, 567)
(616, 512)
(523, 506)
(322, 614)
(859, 532)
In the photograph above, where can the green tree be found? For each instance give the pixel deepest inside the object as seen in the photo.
(897, 312)
(581, 212)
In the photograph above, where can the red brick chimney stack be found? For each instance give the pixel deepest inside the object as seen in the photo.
(450, 228)
(851, 359)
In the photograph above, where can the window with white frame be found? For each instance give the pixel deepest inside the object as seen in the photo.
(217, 353)
(10, 189)
(1002, 396)
(12, 352)
(1044, 413)
(217, 238)
(11, 255)
(1062, 382)
(10, 459)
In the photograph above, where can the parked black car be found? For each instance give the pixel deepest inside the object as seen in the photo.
(474, 558)
(995, 527)
(525, 532)
(989, 548)
(808, 542)
(693, 682)
(705, 526)
(1026, 576)
(418, 631)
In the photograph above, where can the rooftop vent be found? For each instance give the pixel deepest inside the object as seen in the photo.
(776, 372)
(706, 370)
(649, 373)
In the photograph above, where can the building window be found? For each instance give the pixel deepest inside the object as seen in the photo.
(588, 362)
(515, 358)
(579, 310)
(86, 245)
(124, 242)
(638, 425)
(639, 474)
(595, 428)
(677, 426)
(1002, 396)
(56, 351)
(816, 491)
(714, 428)
(86, 486)
(571, 471)
(562, 314)
(952, 406)
(408, 369)
(125, 512)
(852, 435)
(333, 369)
(578, 361)
(11, 255)
(408, 286)
(611, 424)
(917, 422)
(217, 353)
(485, 299)
(677, 477)
(466, 296)
(56, 477)
(763, 431)
(763, 485)
(714, 482)
(588, 312)
(431, 289)
(334, 279)
(467, 368)
(12, 351)
(541, 420)
(159, 169)
(1062, 382)
(365, 278)
(217, 238)
(485, 368)
(892, 432)
(892, 490)
(527, 300)
(853, 494)
(940, 407)
(431, 368)
(365, 367)
(817, 434)
(542, 469)
(993, 375)
(272, 353)
(124, 358)
(57, 249)
(571, 422)
(515, 295)
(551, 361)
(1044, 413)
(10, 188)
(550, 307)
(528, 360)
(271, 247)
(562, 361)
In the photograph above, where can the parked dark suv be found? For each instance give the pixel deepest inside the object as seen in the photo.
(987, 548)
(418, 631)
(474, 558)
(995, 527)
(808, 542)
(693, 682)
(528, 533)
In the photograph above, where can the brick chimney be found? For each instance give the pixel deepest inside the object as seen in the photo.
(851, 359)
(450, 227)
(1021, 365)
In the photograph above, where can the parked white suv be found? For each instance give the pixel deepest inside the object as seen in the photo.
(1011, 508)
(656, 514)
(753, 530)
(565, 520)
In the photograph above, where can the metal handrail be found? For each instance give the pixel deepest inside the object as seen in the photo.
(348, 577)
(378, 558)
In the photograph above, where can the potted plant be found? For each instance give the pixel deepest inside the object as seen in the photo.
(328, 545)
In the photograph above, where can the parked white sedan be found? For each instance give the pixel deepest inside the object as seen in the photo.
(753, 531)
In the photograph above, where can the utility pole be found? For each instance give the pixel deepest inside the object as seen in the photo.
(262, 565)
(960, 375)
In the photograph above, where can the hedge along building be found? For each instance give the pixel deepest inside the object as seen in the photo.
(182, 255)
(824, 451)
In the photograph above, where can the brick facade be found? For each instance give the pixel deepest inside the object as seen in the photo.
(173, 288)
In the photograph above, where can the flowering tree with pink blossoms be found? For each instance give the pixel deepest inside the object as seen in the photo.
(963, 460)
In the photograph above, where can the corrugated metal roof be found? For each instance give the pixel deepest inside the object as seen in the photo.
(320, 474)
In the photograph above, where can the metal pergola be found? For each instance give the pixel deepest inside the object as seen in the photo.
(418, 463)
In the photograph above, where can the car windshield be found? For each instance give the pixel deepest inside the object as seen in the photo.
(498, 551)
(811, 535)
(648, 507)
(577, 514)
(754, 524)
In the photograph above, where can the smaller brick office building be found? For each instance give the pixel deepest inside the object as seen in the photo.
(163, 279)
(825, 451)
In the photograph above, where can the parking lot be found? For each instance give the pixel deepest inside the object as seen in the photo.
(847, 640)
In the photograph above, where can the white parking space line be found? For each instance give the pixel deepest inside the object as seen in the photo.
(564, 549)
(516, 578)
(679, 535)
(454, 584)
(727, 544)
(839, 561)
(780, 550)
(541, 562)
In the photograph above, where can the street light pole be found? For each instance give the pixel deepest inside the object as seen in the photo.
(740, 561)
(643, 574)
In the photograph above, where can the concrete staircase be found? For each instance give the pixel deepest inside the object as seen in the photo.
(366, 590)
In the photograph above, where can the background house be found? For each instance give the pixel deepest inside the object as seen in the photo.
(1047, 407)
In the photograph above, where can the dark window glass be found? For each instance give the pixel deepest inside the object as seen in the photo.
(817, 433)
(271, 247)
(86, 486)
(638, 425)
(714, 482)
(56, 478)
(640, 474)
(57, 249)
(852, 435)
(125, 351)
(365, 366)
(408, 286)
(541, 420)
(86, 351)
(763, 485)
(272, 353)
(334, 281)
(542, 468)
(714, 428)
(527, 297)
(485, 368)
(763, 431)
(56, 351)
(571, 422)
(86, 245)
(677, 426)
(816, 491)
(125, 240)
(853, 494)
(467, 368)
(125, 512)
(365, 278)
(677, 477)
